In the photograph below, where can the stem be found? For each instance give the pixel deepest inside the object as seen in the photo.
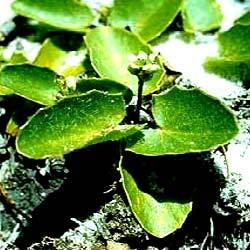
(224, 152)
(139, 99)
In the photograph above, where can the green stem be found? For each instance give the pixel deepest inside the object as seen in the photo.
(139, 99)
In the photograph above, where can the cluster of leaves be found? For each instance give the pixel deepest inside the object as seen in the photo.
(80, 111)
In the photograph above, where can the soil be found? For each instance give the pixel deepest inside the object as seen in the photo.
(77, 201)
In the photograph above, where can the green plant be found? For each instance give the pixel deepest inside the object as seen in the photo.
(233, 62)
(88, 110)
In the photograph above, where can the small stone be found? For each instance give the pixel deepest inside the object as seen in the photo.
(112, 245)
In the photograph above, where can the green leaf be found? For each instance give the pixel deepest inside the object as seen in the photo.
(189, 121)
(4, 90)
(145, 17)
(68, 14)
(110, 49)
(34, 83)
(244, 20)
(233, 70)
(73, 123)
(158, 218)
(202, 15)
(18, 58)
(12, 127)
(20, 115)
(58, 59)
(234, 48)
(118, 132)
(105, 85)
(234, 43)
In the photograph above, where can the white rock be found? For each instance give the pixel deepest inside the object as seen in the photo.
(6, 13)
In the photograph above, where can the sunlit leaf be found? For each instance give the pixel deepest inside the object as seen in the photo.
(73, 123)
(157, 218)
(18, 58)
(60, 60)
(202, 15)
(146, 18)
(32, 82)
(234, 43)
(5, 91)
(234, 61)
(110, 49)
(105, 85)
(12, 127)
(68, 14)
(245, 19)
(233, 70)
(189, 121)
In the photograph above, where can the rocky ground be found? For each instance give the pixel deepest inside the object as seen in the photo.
(60, 204)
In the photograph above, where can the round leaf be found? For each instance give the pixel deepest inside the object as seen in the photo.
(202, 15)
(145, 17)
(157, 218)
(189, 121)
(32, 82)
(63, 62)
(245, 19)
(73, 123)
(68, 14)
(4, 90)
(110, 49)
(233, 70)
(234, 43)
(234, 62)
(105, 85)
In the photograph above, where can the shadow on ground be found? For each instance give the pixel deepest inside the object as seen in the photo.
(80, 195)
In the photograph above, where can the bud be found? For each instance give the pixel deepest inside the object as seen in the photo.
(143, 65)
